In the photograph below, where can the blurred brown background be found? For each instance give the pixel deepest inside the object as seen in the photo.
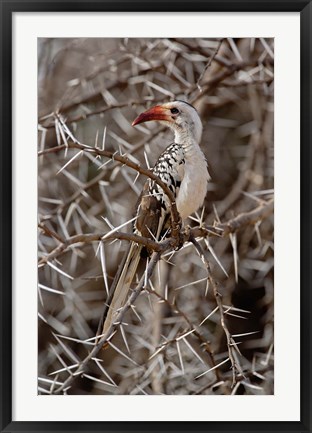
(96, 87)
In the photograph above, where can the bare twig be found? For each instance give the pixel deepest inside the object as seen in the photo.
(105, 338)
(176, 220)
(166, 343)
(230, 341)
(219, 229)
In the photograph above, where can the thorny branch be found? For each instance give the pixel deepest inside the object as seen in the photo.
(232, 347)
(176, 220)
(188, 235)
(235, 102)
(161, 247)
(101, 110)
(104, 339)
(194, 329)
(219, 230)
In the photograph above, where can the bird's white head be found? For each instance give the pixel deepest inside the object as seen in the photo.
(180, 116)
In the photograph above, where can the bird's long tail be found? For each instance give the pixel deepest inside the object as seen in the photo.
(120, 287)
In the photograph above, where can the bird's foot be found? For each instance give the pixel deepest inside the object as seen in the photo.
(181, 237)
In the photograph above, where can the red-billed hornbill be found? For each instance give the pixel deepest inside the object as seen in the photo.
(183, 167)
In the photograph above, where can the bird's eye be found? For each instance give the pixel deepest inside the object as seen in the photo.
(174, 110)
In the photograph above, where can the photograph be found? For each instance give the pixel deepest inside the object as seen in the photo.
(155, 216)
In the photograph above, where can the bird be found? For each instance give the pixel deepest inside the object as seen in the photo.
(182, 166)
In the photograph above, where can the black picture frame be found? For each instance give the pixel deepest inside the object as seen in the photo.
(8, 7)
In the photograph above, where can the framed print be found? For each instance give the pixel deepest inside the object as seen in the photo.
(156, 221)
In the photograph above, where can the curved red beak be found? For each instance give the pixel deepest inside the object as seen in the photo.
(155, 113)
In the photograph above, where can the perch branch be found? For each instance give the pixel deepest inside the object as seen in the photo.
(219, 229)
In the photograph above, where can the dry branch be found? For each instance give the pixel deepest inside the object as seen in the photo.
(103, 339)
(219, 229)
(155, 353)
(176, 220)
